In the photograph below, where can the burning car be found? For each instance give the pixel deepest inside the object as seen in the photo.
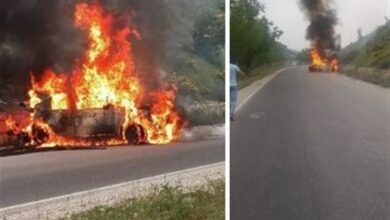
(89, 126)
(85, 127)
(328, 62)
(102, 100)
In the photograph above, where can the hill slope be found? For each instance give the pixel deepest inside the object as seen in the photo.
(372, 50)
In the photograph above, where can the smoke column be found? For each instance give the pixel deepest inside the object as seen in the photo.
(323, 19)
(40, 34)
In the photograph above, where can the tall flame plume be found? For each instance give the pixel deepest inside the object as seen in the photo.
(106, 76)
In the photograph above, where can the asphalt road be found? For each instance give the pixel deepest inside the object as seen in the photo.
(312, 146)
(34, 176)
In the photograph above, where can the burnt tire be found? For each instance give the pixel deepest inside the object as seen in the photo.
(39, 135)
(136, 134)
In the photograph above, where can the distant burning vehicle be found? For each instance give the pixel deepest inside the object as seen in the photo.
(102, 101)
(325, 43)
(328, 62)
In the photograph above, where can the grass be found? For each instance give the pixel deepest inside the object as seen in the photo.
(372, 51)
(200, 82)
(166, 203)
(379, 77)
(199, 79)
(207, 117)
(257, 74)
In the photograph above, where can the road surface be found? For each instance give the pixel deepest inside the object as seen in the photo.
(312, 146)
(34, 176)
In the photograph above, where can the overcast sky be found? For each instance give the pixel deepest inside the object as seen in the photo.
(352, 14)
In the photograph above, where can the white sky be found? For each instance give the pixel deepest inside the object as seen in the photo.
(352, 14)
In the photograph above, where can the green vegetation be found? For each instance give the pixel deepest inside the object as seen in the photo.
(206, 202)
(372, 51)
(369, 58)
(198, 79)
(303, 56)
(254, 38)
(377, 76)
(197, 62)
(257, 74)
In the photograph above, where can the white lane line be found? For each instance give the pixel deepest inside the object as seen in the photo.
(261, 83)
(59, 206)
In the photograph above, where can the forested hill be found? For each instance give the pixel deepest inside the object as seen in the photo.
(373, 50)
(254, 38)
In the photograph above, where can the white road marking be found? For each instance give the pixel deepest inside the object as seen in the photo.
(261, 83)
(61, 206)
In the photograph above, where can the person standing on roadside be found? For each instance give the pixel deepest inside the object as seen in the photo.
(234, 70)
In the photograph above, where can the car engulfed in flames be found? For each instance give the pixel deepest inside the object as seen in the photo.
(93, 127)
(102, 100)
(328, 61)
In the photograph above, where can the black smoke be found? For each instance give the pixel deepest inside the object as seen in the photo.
(40, 34)
(34, 35)
(323, 19)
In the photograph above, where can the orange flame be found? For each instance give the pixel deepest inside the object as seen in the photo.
(323, 63)
(106, 76)
(12, 125)
(316, 58)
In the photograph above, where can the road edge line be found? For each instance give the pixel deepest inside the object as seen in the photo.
(65, 205)
(262, 82)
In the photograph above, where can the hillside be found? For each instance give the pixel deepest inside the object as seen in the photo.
(371, 51)
(195, 60)
(369, 58)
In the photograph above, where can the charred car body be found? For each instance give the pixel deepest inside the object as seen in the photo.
(93, 126)
(328, 62)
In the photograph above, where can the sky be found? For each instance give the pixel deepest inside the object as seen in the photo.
(352, 14)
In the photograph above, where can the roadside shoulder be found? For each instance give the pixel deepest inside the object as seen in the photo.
(62, 206)
(246, 93)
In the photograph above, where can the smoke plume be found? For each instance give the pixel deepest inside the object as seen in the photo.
(40, 34)
(322, 18)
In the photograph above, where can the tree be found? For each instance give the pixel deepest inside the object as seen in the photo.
(209, 35)
(253, 37)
